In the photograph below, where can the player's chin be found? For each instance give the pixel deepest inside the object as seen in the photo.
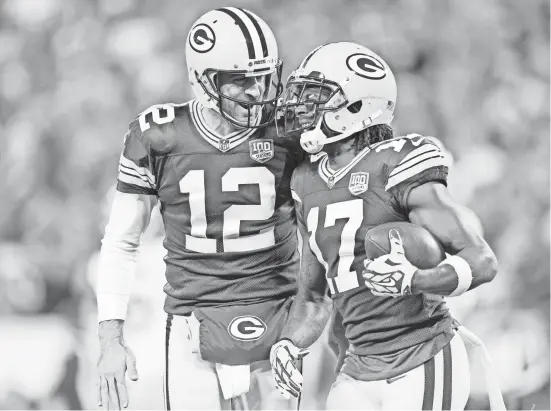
(245, 116)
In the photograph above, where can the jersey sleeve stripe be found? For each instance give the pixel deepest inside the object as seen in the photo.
(132, 168)
(131, 173)
(416, 169)
(134, 173)
(415, 161)
(133, 180)
(295, 196)
(415, 156)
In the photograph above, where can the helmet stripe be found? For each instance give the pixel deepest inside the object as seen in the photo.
(309, 56)
(252, 29)
(259, 30)
(244, 30)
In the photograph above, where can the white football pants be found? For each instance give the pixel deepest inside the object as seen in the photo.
(442, 383)
(190, 383)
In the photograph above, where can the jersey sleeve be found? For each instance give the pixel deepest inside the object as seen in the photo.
(296, 194)
(136, 165)
(313, 271)
(418, 161)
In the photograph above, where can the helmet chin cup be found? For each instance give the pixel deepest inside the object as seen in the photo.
(312, 141)
(311, 146)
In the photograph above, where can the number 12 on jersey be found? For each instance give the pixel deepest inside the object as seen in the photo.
(352, 210)
(193, 183)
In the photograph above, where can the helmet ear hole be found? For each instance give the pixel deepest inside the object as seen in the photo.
(355, 107)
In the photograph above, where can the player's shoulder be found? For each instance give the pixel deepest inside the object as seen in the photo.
(410, 148)
(396, 149)
(407, 158)
(156, 128)
(302, 174)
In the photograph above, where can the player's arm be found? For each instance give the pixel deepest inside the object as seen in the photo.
(337, 340)
(418, 185)
(472, 262)
(312, 306)
(307, 318)
(129, 217)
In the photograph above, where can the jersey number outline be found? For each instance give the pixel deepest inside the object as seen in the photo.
(398, 143)
(156, 115)
(346, 278)
(193, 183)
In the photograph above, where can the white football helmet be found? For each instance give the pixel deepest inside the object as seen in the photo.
(338, 89)
(233, 40)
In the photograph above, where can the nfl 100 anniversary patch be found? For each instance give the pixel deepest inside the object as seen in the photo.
(358, 183)
(261, 150)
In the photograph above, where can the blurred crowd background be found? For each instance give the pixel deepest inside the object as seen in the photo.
(74, 73)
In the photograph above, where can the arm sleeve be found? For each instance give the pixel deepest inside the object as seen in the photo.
(136, 165)
(129, 218)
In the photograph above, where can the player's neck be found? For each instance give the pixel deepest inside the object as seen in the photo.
(340, 154)
(217, 123)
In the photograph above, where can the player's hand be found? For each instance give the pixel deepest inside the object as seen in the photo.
(390, 274)
(115, 360)
(284, 357)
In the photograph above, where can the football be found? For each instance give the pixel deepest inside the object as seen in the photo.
(421, 248)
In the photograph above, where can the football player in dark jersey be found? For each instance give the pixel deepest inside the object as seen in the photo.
(222, 180)
(404, 350)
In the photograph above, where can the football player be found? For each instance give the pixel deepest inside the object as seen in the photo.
(404, 350)
(223, 183)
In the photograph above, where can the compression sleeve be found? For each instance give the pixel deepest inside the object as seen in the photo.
(129, 218)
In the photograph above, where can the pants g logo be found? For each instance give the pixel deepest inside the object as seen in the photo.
(247, 328)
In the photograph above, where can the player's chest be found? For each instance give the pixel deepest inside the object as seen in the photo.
(345, 210)
(255, 166)
(331, 213)
(326, 193)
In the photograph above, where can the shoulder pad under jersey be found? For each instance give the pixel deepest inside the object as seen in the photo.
(157, 126)
(412, 159)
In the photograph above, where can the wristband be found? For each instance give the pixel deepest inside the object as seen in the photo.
(463, 271)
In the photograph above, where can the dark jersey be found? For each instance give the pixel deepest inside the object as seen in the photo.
(337, 208)
(226, 204)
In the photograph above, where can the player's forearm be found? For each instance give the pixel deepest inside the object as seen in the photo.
(307, 319)
(444, 279)
(116, 274)
(119, 252)
(110, 331)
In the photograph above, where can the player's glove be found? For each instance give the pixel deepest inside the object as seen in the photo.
(284, 358)
(390, 274)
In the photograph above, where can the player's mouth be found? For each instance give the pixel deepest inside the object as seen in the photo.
(248, 110)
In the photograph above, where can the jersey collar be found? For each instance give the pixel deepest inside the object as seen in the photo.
(330, 176)
(222, 143)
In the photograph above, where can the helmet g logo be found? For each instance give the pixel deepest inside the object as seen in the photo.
(366, 66)
(247, 328)
(202, 38)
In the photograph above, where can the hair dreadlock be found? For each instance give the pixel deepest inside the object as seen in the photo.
(370, 135)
